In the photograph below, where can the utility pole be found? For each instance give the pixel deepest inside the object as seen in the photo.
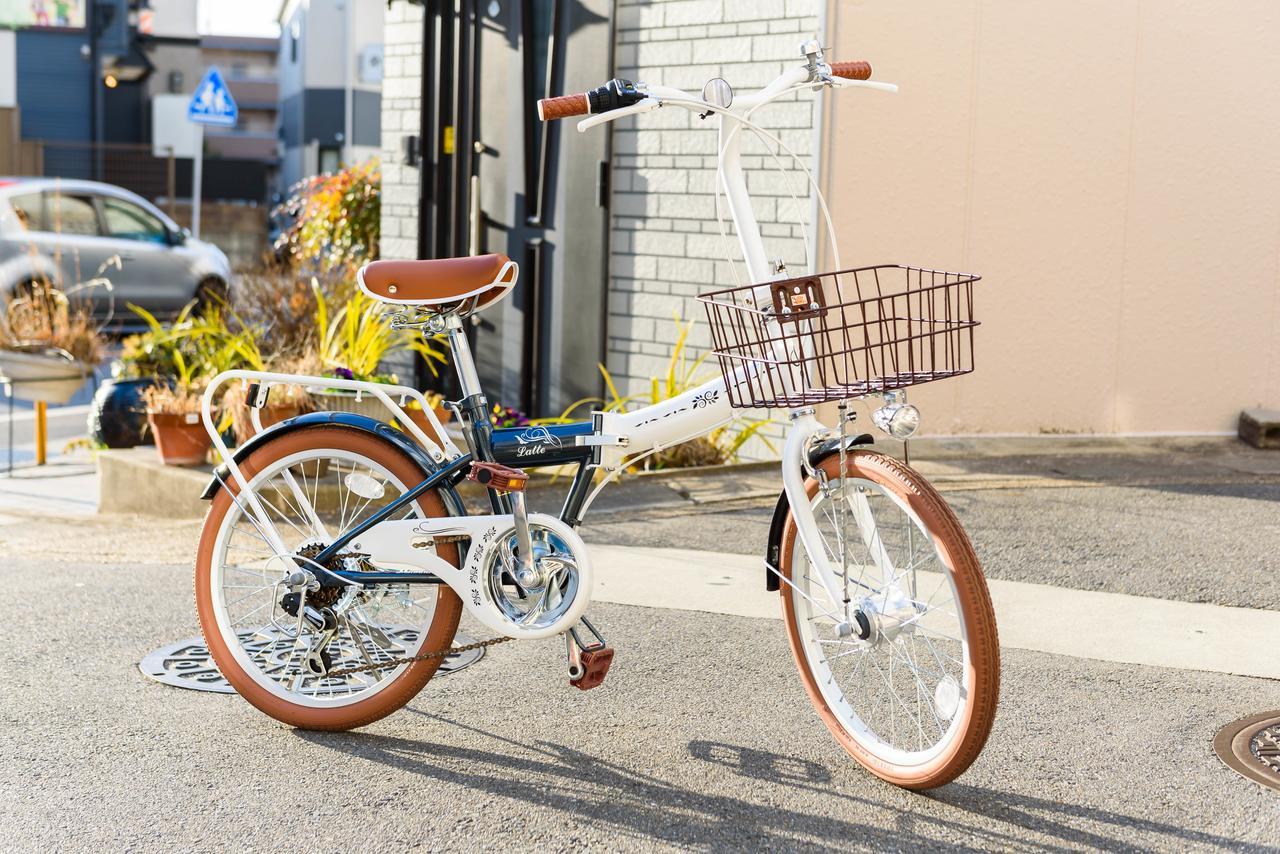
(348, 104)
(95, 91)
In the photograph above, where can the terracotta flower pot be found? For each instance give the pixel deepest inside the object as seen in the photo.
(418, 417)
(270, 415)
(181, 439)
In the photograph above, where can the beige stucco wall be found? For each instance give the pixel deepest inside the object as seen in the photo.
(1111, 167)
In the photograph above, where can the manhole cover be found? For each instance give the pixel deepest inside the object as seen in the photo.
(1251, 746)
(187, 663)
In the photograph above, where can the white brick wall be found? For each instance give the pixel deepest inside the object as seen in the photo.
(401, 104)
(667, 246)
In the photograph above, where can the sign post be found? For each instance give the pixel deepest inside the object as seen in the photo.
(211, 104)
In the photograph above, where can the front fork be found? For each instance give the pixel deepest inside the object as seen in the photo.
(852, 504)
(804, 425)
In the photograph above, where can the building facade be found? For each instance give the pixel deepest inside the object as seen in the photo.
(330, 60)
(1124, 219)
(82, 124)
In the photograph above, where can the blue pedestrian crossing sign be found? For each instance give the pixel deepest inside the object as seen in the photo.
(212, 103)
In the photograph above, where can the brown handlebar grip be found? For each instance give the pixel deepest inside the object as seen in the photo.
(852, 70)
(563, 107)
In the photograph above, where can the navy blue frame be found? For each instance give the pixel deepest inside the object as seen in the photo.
(518, 447)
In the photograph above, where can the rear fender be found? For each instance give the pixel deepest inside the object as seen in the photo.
(348, 421)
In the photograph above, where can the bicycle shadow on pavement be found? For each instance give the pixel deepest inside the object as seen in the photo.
(1051, 817)
(1027, 812)
(602, 793)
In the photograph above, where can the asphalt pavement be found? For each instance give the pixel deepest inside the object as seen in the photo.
(702, 737)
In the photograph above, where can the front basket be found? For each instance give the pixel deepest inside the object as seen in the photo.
(835, 336)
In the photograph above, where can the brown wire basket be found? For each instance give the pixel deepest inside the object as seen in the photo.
(834, 336)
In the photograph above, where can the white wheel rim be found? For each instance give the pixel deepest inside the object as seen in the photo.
(221, 585)
(925, 665)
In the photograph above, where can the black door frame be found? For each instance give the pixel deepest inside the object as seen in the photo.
(449, 159)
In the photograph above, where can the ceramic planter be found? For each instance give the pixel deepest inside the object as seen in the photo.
(39, 374)
(118, 418)
(181, 439)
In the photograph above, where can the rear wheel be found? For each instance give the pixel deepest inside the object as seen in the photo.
(906, 676)
(315, 484)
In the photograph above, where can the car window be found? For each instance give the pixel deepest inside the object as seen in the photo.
(129, 222)
(70, 215)
(28, 210)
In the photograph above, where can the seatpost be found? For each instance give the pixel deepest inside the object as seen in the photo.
(462, 361)
(474, 406)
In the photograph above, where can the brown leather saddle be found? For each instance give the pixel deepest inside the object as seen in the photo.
(464, 285)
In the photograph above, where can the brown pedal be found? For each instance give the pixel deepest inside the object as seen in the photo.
(499, 477)
(595, 666)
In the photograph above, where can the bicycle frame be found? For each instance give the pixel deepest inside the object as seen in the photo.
(602, 443)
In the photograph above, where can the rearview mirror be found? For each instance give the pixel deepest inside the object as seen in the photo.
(718, 93)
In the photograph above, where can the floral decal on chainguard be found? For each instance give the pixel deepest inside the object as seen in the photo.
(707, 398)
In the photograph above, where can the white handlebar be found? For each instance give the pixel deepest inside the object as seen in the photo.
(657, 95)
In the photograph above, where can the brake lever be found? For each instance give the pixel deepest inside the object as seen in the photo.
(643, 106)
(845, 82)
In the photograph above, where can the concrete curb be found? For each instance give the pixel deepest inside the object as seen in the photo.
(1079, 623)
(135, 481)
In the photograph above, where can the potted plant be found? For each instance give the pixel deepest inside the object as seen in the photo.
(352, 344)
(118, 418)
(48, 347)
(173, 412)
(283, 403)
(416, 414)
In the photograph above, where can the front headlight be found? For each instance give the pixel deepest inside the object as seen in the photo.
(898, 418)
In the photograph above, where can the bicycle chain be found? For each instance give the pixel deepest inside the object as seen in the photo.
(396, 662)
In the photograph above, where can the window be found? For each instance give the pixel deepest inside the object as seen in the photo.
(70, 215)
(330, 160)
(28, 211)
(127, 221)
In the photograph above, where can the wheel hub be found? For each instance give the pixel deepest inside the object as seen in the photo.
(884, 616)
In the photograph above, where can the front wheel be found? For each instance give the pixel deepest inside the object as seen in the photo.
(906, 672)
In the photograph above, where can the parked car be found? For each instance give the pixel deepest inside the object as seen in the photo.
(63, 231)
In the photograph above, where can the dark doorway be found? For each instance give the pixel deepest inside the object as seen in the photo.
(495, 179)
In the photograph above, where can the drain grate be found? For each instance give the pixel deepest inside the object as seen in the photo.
(1251, 747)
(187, 663)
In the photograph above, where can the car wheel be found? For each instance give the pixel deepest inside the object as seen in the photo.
(209, 292)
